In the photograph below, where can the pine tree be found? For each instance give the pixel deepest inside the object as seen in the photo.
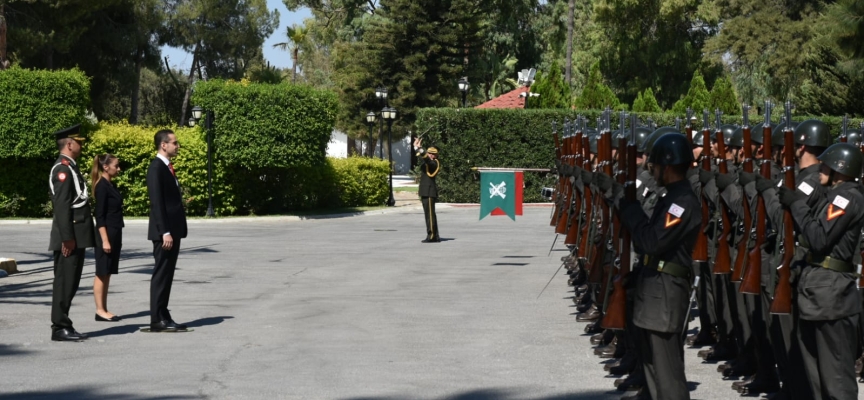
(638, 104)
(723, 97)
(552, 89)
(697, 98)
(650, 102)
(596, 95)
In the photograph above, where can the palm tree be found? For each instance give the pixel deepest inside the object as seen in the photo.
(296, 36)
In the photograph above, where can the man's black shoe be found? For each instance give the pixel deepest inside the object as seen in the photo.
(632, 382)
(164, 326)
(435, 240)
(180, 327)
(757, 387)
(67, 335)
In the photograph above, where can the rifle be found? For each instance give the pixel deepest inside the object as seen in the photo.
(843, 133)
(604, 165)
(587, 200)
(566, 186)
(688, 128)
(752, 279)
(610, 230)
(782, 303)
(561, 178)
(700, 250)
(575, 211)
(617, 304)
(723, 259)
(746, 221)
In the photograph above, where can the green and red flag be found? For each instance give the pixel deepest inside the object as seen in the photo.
(501, 193)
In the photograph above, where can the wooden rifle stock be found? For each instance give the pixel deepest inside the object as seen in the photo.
(751, 282)
(700, 250)
(587, 201)
(616, 310)
(782, 303)
(604, 154)
(741, 257)
(561, 178)
(723, 259)
(574, 216)
(567, 188)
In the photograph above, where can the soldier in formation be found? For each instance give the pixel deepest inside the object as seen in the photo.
(761, 226)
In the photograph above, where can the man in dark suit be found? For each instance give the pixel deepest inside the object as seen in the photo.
(428, 190)
(167, 227)
(71, 231)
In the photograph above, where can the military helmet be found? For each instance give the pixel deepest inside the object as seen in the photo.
(698, 139)
(813, 132)
(853, 137)
(728, 130)
(778, 137)
(671, 149)
(652, 139)
(737, 138)
(757, 131)
(642, 133)
(614, 138)
(592, 141)
(844, 158)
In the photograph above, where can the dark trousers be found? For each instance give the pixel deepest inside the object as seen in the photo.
(788, 356)
(163, 277)
(766, 363)
(705, 298)
(723, 309)
(742, 329)
(67, 276)
(431, 218)
(828, 349)
(663, 363)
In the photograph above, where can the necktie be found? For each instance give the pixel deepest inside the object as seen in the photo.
(171, 167)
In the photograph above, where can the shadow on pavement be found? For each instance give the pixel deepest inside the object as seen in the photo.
(504, 394)
(207, 321)
(83, 393)
(7, 350)
(117, 330)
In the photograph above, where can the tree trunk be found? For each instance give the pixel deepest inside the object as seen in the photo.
(568, 70)
(294, 66)
(3, 63)
(352, 147)
(136, 86)
(189, 86)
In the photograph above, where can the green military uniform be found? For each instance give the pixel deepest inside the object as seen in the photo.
(72, 221)
(428, 191)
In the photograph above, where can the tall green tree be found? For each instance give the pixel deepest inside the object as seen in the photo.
(297, 36)
(723, 97)
(223, 36)
(552, 89)
(596, 95)
(646, 102)
(698, 97)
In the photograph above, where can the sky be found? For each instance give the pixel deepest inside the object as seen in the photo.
(278, 58)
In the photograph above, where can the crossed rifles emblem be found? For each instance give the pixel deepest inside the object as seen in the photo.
(498, 190)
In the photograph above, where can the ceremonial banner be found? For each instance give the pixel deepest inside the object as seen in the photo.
(500, 193)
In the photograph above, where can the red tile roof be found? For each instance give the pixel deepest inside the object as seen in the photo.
(510, 99)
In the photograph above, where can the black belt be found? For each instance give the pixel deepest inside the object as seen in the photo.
(670, 268)
(831, 263)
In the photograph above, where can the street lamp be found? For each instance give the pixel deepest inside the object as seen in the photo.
(463, 87)
(208, 128)
(370, 119)
(381, 95)
(389, 114)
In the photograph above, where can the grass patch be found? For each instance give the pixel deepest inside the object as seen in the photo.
(406, 189)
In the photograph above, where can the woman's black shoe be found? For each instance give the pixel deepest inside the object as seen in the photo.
(103, 319)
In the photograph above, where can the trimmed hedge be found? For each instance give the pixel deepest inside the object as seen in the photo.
(348, 182)
(265, 125)
(517, 138)
(35, 103)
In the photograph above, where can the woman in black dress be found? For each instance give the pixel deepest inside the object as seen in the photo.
(109, 223)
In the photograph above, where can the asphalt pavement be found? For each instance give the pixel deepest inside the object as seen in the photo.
(339, 307)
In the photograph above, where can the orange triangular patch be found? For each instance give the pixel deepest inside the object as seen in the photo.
(671, 220)
(832, 213)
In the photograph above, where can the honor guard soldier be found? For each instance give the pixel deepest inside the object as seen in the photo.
(428, 188)
(666, 239)
(71, 231)
(827, 292)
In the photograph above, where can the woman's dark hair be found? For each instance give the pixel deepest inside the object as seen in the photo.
(99, 163)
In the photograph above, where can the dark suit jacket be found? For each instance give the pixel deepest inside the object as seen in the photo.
(109, 205)
(69, 223)
(166, 203)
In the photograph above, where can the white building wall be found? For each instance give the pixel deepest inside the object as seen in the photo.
(338, 145)
(401, 154)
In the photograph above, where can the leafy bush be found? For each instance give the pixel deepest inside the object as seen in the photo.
(723, 97)
(360, 181)
(35, 103)
(697, 98)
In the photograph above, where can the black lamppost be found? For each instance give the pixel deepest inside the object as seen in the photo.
(208, 128)
(463, 87)
(370, 119)
(381, 95)
(390, 114)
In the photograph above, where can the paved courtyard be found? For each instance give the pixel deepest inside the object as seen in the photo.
(351, 307)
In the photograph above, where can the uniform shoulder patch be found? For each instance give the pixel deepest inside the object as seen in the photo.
(64, 161)
(62, 177)
(841, 202)
(638, 183)
(806, 188)
(673, 216)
